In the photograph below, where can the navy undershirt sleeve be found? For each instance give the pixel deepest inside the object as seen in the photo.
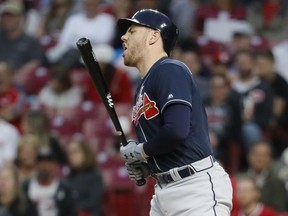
(175, 129)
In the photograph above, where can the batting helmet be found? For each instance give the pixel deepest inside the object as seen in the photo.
(155, 20)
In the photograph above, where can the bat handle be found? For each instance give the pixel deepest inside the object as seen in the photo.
(141, 182)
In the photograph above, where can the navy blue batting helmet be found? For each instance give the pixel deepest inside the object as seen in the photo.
(155, 20)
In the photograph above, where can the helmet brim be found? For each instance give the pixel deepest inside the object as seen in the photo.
(124, 23)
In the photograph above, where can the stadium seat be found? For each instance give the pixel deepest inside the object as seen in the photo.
(37, 80)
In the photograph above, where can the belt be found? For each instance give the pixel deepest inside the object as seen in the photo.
(185, 171)
(165, 178)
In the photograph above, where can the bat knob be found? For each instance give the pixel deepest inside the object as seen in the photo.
(82, 41)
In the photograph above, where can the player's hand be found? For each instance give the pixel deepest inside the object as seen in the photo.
(138, 171)
(133, 152)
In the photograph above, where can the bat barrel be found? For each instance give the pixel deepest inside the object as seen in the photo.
(86, 51)
(89, 58)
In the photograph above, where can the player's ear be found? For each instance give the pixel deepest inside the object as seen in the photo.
(154, 36)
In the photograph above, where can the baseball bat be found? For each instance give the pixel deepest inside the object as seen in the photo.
(90, 60)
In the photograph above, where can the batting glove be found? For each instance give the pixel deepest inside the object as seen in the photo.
(137, 171)
(133, 152)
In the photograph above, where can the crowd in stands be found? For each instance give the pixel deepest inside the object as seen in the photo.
(59, 153)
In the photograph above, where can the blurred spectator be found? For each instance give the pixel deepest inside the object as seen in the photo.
(182, 13)
(241, 40)
(91, 23)
(224, 118)
(280, 51)
(266, 70)
(12, 99)
(36, 122)
(187, 51)
(282, 167)
(32, 16)
(194, 63)
(215, 144)
(9, 137)
(118, 81)
(255, 97)
(221, 64)
(60, 96)
(265, 65)
(219, 18)
(269, 19)
(84, 178)
(246, 40)
(209, 49)
(26, 159)
(119, 9)
(54, 19)
(46, 190)
(261, 168)
(13, 201)
(247, 195)
(21, 51)
(282, 170)
(141, 4)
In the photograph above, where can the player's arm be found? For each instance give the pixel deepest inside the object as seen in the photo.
(175, 129)
(175, 111)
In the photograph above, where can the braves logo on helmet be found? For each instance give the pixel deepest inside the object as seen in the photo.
(145, 107)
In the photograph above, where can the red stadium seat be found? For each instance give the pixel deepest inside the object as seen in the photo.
(81, 78)
(86, 110)
(37, 80)
(64, 128)
(123, 197)
(120, 190)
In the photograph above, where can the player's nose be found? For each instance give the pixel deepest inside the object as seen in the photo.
(124, 37)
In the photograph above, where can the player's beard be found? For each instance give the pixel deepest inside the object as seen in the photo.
(133, 56)
(135, 51)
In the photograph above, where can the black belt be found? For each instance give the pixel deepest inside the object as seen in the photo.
(166, 178)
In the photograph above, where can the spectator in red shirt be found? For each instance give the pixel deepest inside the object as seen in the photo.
(247, 195)
(11, 99)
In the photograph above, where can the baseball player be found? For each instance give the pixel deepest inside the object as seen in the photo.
(170, 121)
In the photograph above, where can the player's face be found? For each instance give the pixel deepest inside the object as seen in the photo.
(134, 41)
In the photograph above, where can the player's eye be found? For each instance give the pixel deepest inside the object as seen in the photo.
(131, 31)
